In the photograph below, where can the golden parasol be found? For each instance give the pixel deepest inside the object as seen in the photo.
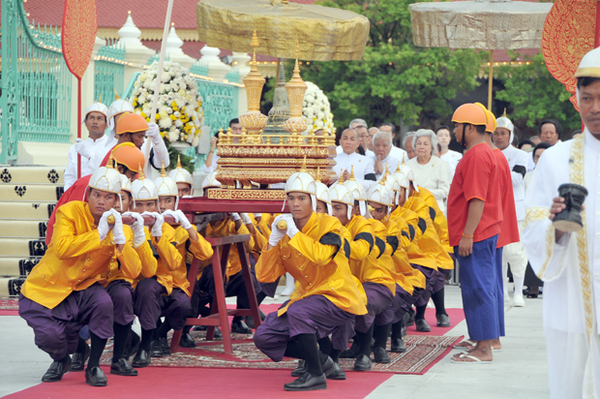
(324, 34)
(484, 25)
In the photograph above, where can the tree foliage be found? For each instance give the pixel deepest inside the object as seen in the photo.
(395, 80)
(534, 95)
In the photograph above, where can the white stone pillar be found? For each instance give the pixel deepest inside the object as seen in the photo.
(217, 69)
(135, 52)
(174, 51)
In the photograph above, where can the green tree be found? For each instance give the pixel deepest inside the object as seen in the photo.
(395, 80)
(533, 95)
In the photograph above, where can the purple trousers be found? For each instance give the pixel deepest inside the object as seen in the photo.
(403, 301)
(430, 275)
(380, 307)
(121, 294)
(152, 302)
(440, 280)
(57, 330)
(312, 315)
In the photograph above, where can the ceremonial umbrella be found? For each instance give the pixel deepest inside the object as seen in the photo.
(484, 25)
(323, 33)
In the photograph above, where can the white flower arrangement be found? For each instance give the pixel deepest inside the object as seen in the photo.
(316, 109)
(179, 116)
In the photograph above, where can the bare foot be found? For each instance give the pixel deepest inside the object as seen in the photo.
(479, 352)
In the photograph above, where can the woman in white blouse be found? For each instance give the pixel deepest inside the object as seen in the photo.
(430, 172)
(445, 153)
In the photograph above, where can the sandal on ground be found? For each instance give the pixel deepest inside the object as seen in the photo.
(472, 359)
(467, 343)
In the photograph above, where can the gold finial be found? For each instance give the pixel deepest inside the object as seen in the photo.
(109, 164)
(398, 170)
(100, 99)
(341, 180)
(303, 167)
(384, 178)
(351, 173)
(117, 97)
(179, 162)
(163, 172)
(140, 172)
(403, 158)
(504, 114)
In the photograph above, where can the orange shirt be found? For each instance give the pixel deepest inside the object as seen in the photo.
(509, 231)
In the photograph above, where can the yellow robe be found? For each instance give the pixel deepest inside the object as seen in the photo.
(76, 257)
(401, 260)
(437, 216)
(200, 249)
(414, 252)
(319, 269)
(224, 228)
(169, 258)
(430, 243)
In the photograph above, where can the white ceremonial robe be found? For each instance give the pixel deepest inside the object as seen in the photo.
(362, 166)
(452, 157)
(398, 153)
(516, 157)
(391, 161)
(435, 176)
(212, 167)
(87, 168)
(570, 268)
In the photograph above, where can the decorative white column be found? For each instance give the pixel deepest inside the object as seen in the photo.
(240, 64)
(217, 69)
(174, 51)
(135, 52)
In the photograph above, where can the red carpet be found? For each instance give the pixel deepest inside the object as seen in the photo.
(173, 382)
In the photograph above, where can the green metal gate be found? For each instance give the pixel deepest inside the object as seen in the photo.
(36, 83)
(109, 72)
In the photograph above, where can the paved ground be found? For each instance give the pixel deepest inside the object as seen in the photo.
(519, 371)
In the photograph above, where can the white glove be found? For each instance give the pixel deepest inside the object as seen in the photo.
(139, 235)
(81, 149)
(291, 226)
(103, 227)
(276, 234)
(154, 133)
(159, 220)
(245, 218)
(179, 217)
(234, 216)
(118, 234)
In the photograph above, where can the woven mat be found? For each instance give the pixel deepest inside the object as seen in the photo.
(9, 304)
(423, 351)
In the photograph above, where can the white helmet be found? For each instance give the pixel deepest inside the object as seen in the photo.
(506, 123)
(125, 184)
(323, 195)
(106, 179)
(302, 182)
(180, 175)
(118, 106)
(143, 189)
(340, 193)
(166, 186)
(380, 194)
(96, 107)
(210, 181)
(358, 191)
(409, 174)
(393, 186)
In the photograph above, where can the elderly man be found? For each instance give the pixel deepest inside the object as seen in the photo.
(408, 145)
(348, 158)
(384, 155)
(568, 262)
(550, 131)
(95, 122)
(365, 138)
(390, 129)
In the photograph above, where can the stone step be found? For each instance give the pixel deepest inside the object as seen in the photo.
(30, 193)
(17, 267)
(22, 247)
(31, 174)
(23, 228)
(11, 286)
(40, 210)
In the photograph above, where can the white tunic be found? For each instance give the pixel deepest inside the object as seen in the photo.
(570, 267)
(391, 161)
(362, 166)
(435, 176)
(452, 157)
(515, 157)
(93, 146)
(368, 153)
(212, 167)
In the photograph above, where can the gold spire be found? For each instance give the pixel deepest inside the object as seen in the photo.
(163, 172)
(100, 99)
(140, 172)
(179, 162)
(341, 180)
(110, 164)
(385, 174)
(351, 173)
(303, 167)
(117, 97)
(504, 114)
(398, 170)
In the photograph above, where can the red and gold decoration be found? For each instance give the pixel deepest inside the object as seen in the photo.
(570, 31)
(250, 159)
(79, 27)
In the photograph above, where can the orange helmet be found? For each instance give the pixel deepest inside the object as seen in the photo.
(129, 155)
(131, 123)
(472, 114)
(491, 125)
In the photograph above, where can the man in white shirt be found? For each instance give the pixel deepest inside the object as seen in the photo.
(408, 145)
(514, 253)
(389, 128)
(348, 158)
(96, 122)
(382, 142)
(569, 262)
